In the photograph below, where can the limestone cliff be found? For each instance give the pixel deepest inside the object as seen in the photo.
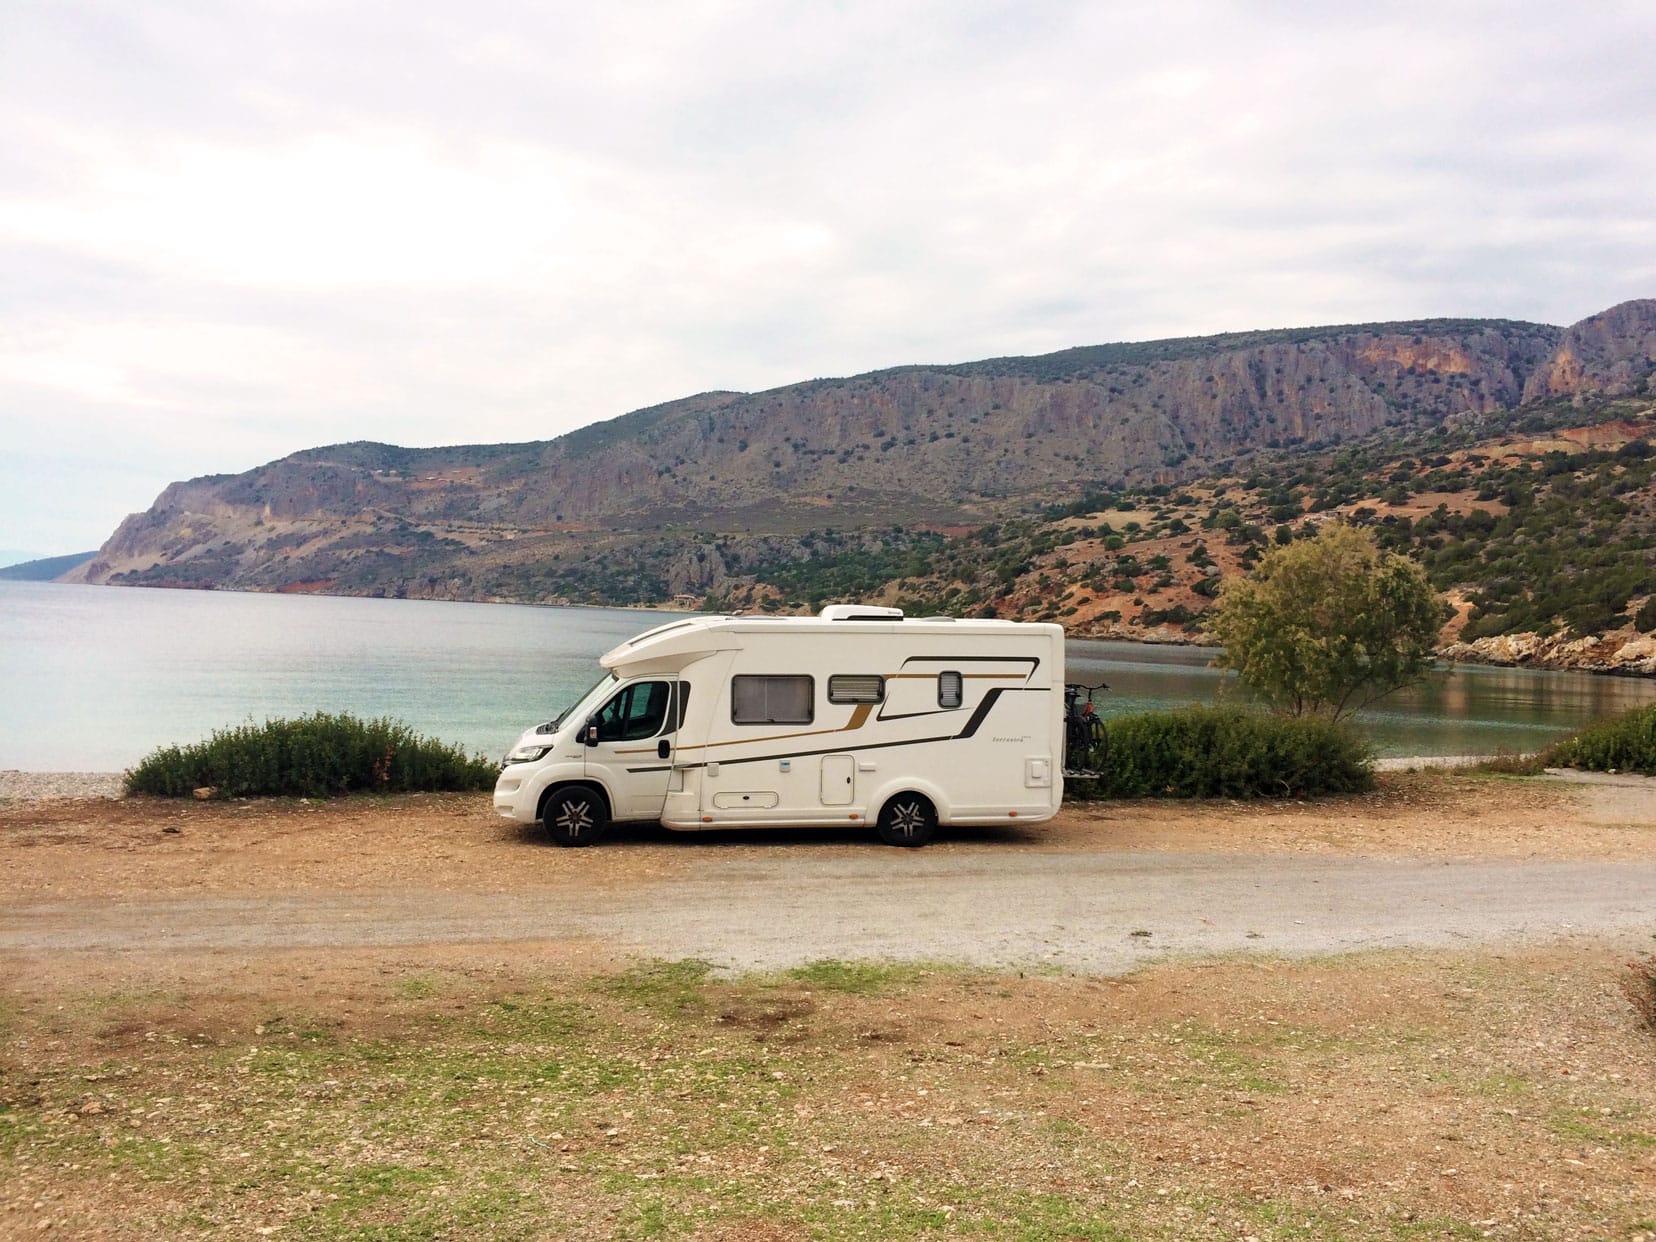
(1613, 352)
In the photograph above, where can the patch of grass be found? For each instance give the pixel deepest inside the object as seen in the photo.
(1593, 1126)
(653, 1221)
(630, 1106)
(1435, 1227)
(1213, 1057)
(858, 978)
(543, 1019)
(314, 756)
(157, 1160)
(663, 987)
(1506, 1086)
(416, 987)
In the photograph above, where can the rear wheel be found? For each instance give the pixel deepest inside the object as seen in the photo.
(575, 816)
(909, 819)
(1100, 745)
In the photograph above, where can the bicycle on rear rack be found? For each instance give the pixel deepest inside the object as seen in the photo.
(1086, 740)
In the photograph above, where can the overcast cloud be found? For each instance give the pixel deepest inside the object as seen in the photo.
(229, 231)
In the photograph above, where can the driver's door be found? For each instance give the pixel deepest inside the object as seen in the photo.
(633, 757)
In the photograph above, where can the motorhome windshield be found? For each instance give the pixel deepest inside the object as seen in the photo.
(586, 701)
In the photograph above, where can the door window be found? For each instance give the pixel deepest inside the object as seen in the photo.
(638, 711)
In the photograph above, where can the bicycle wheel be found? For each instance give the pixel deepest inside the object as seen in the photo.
(1075, 744)
(1099, 749)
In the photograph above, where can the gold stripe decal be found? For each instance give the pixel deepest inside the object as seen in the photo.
(859, 717)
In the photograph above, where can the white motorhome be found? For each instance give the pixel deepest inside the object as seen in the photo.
(856, 716)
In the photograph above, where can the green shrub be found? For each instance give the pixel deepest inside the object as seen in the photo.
(314, 756)
(1226, 752)
(1624, 743)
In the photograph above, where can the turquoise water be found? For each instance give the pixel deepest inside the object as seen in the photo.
(93, 678)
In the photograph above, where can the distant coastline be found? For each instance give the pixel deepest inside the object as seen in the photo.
(46, 568)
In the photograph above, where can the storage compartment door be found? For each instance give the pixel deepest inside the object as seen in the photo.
(839, 776)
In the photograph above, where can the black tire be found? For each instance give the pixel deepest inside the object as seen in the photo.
(908, 820)
(1100, 749)
(575, 815)
(1077, 744)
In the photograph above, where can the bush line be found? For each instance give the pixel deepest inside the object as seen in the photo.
(1624, 743)
(1227, 752)
(314, 756)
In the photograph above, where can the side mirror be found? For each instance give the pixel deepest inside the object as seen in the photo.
(591, 734)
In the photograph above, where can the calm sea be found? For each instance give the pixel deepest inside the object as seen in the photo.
(93, 678)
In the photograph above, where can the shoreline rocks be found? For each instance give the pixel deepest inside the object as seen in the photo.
(1618, 654)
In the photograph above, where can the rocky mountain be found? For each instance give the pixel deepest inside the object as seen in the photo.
(687, 498)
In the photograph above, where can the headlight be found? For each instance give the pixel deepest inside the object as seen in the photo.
(527, 753)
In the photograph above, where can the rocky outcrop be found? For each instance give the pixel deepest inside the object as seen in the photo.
(1613, 352)
(1629, 654)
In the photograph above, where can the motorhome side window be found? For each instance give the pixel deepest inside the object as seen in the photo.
(950, 690)
(856, 688)
(637, 711)
(757, 699)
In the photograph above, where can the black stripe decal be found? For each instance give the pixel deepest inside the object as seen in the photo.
(983, 708)
(1034, 661)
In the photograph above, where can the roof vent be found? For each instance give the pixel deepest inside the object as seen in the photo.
(860, 612)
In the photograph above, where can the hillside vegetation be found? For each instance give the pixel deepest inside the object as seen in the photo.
(1539, 523)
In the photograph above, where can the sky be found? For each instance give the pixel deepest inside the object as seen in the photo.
(233, 229)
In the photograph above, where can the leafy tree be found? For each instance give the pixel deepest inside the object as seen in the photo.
(1325, 626)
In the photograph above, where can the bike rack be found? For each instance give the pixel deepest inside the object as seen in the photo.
(1072, 718)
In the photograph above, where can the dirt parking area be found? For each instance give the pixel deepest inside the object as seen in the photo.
(111, 849)
(1410, 1015)
(1431, 859)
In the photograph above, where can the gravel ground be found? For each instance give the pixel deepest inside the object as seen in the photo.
(1426, 861)
(1415, 763)
(1099, 914)
(18, 786)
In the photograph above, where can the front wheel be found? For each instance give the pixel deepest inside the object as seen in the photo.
(575, 816)
(907, 820)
